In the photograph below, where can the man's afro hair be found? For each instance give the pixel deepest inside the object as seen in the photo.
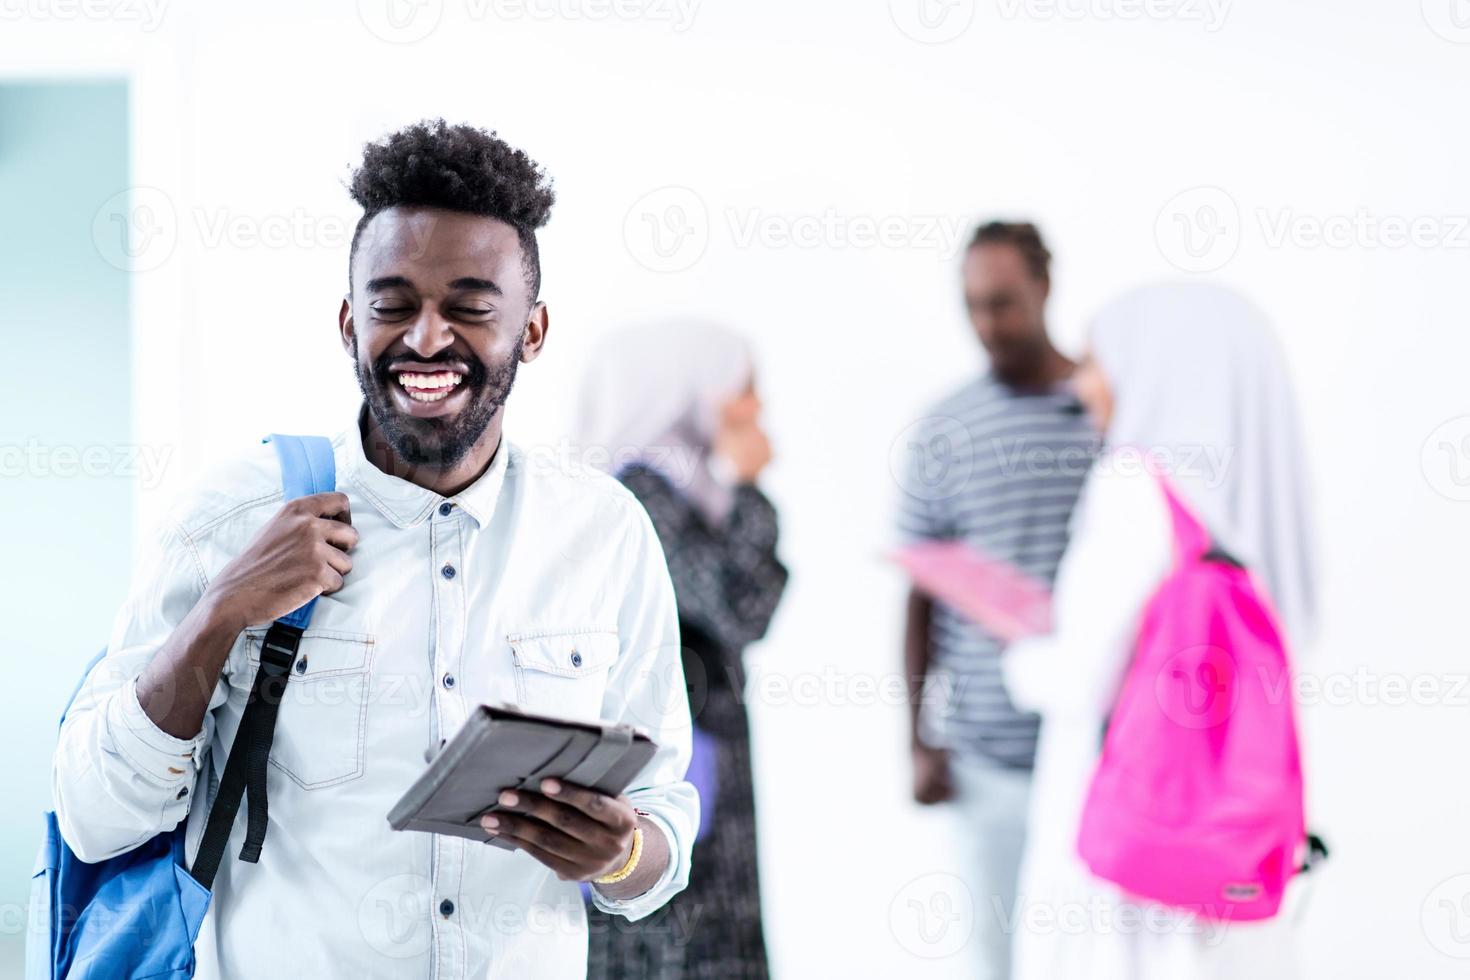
(458, 168)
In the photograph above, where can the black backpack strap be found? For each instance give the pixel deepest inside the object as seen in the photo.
(1316, 853)
(245, 769)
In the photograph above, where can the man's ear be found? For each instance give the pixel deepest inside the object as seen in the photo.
(345, 325)
(537, 325)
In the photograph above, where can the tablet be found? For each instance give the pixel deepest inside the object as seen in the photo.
(502, 748)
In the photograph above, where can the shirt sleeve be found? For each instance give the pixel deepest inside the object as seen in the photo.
(1120, 549)
(646, 689)
(118, 779)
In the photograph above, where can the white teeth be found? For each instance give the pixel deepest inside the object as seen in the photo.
(429, 387)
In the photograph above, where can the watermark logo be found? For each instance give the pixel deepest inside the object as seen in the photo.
(833, 229)
(1197, 687)
(144, 462)
(1445, 459)
(1450, 19)
(148, 14)
(932, 916)
(1103, 915)
(1445, 917)
(667, 230)
(1362, 229)
(1198, 230)
(932, 458)
(679, 14)
(932, 21)
(136, 230)
(394, 916)
(400, 21)
(1209, 13)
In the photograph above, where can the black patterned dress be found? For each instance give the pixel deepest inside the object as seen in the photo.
(727, 581)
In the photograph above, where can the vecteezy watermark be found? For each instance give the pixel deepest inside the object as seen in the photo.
(400, 21)
(932, 458)
(1450, 19)
(832, 229)
(139, 229)
(1198, 230)
(1104, 915)
(1211, 14)
(1208, 464)
(935, 457)
(1282, 227)
(396, 915)
(1364, 687)
(669, 229)
(1445, 459)
(1201, 687)
(410, 21)
(932, 21)
(136, 229)
(1196, 688)
(38, 460)
(678, 14)
(1201, 229)
(1445, 917)
(933, 916)
(147, 14)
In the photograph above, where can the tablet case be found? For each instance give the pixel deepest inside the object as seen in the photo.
(501, 748)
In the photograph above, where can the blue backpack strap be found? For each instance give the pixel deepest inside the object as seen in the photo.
(307, 467)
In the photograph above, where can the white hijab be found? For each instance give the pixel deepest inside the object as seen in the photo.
(1197, 377)
(653, 394)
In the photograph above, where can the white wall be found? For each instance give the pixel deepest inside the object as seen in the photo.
(1307, 112)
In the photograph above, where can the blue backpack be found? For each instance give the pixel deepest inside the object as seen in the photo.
(137, 915)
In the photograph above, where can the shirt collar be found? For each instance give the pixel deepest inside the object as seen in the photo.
(407, 504)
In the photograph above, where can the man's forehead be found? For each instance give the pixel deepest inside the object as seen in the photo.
(995, 257)
(447, 244)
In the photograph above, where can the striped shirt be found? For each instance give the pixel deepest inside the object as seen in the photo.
(1001, 469)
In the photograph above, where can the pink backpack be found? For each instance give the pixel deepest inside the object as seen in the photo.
(1197, 798)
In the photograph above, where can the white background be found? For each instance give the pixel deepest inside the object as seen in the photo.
(812, 119)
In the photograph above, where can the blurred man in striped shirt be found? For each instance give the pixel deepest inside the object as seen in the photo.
(998, 464)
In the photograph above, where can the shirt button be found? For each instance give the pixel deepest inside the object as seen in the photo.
(448, 680)
(447, 571)
(445, 508)
(446, 907)
(576, 659)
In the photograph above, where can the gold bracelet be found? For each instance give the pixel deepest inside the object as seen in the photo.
(630, 867)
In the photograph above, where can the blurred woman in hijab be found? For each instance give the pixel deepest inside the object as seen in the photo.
(671, 410)
(1186, 380)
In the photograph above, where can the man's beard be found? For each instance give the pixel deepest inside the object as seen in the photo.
(436, 442)
(1019, 361)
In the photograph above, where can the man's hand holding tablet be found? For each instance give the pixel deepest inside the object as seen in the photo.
(582, 835)
(521, 782)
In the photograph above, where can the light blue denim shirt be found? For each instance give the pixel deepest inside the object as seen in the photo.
(547, 562)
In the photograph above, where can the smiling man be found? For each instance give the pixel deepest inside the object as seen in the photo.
(452, 572)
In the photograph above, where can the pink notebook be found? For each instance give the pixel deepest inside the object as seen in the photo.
(991, 592)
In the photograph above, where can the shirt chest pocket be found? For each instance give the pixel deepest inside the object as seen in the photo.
(319, 731)
(563, 672)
